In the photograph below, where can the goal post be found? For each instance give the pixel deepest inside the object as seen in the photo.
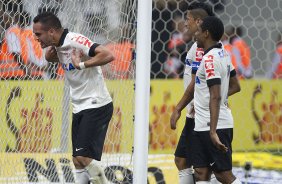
(142, 91)
(36, 113)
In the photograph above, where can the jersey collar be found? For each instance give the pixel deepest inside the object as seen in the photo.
(62, 39)
(218, 45)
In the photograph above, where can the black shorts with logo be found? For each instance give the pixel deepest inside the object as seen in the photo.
(89, 128)
(205, 154)
(183, 149)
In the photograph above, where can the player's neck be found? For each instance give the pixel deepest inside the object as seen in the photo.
(209, 44)
(58, 36)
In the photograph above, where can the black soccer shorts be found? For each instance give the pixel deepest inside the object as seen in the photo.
(205, 154)
(89, 128)
(183, 149)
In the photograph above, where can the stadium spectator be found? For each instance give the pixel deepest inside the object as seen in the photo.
(178, 45)
(32, 52)
(92, 104)
(233, 52)
(12, 65)
(123, 50)
(275, 71)
(161, 30)
(236, 40)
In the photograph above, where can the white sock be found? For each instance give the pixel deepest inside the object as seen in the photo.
(214, 180)
(82, 176)
(96, 172)
(186, 176)
(237, 181)
(202, 182)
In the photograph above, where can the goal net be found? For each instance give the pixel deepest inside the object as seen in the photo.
(253, 31)
(36, 113)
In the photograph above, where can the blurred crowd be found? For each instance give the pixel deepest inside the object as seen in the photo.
(170, 42)
(21, 56)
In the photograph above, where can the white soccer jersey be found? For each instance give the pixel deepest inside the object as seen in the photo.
(192, 62)
(215, 67)
(87, 87)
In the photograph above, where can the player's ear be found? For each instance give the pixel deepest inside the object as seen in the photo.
(51, 31)
(207, 33)
(199, 21)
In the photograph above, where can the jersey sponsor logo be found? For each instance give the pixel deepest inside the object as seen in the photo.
(197, 80)
(188, 62)
(68, 67)
(195, 65)
(199, 54)
(209, 66)
(221, 54)
(82, 40)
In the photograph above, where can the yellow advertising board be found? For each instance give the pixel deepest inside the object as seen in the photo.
(257, 112)
(31, 116)
(31, 125)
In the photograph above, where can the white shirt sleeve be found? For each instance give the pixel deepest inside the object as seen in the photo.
(13, 42)
(190, 57)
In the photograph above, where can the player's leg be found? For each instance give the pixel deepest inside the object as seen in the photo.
(200, 158)
(221, 163)
(90, 141)
(81, 175)
(185, 172)
(214, 180)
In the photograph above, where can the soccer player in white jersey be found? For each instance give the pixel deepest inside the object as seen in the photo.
(81, 59)
(213, 131)
(183, 159)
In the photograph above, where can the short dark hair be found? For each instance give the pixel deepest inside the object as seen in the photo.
(199, 5)
(49, 20)
(215, 27)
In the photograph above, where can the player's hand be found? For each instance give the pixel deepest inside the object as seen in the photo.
(215, 140)
(76, 58)
(51, 54)
(174, 118)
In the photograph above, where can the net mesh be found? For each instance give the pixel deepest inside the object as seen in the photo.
(35, 111)
(35, 102)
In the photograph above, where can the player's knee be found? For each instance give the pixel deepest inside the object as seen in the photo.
(76, 163)
(202, 174)
(82, 162)
(180, 163)
(225, 176)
